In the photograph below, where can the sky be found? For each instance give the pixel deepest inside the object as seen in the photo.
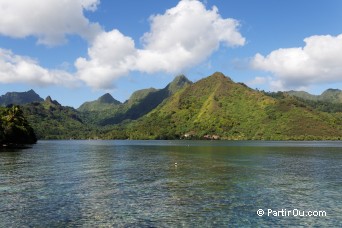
(77, 50)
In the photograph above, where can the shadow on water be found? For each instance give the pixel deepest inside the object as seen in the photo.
(14, 148)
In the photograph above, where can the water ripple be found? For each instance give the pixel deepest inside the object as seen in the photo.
(169, 184)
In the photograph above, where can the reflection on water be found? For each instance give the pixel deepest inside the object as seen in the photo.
(137, 183)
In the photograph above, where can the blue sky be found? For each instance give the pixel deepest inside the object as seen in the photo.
(78, 50)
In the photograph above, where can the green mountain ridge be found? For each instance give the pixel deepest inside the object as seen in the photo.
(217, 107)
(102, 103)
(51, 120)
(212, 108)
(140, 103)
(19, 98)
(138, 96)
(329, 101)
(329, 95)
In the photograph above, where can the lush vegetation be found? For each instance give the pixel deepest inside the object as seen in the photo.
(105, 102)
(324, 105)
(140, 103)
(14, 128)
(19, 98)
(216, 107)
(51, 120)
(212, 108)
(330, 96)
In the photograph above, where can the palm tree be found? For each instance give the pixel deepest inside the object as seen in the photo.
(15, 129)
(15, 115)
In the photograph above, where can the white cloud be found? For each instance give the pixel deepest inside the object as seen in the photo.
(49, 21)
(110, 57)
(181, 38)
(185, 36)
(258, 81)
(15, 68)
(319, 61)
(90, 5)
(269, 83)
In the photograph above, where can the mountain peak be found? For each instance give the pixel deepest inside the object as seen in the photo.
(104, 102)
(179, 82)
(220, 76)
(329, 95)
(108, 99)
(332, 91)
(20, 98)
(49, 100)
(140, 94)
(180, 79)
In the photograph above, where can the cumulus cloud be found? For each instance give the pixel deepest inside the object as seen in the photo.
(181, 38)
(15, 68)
(49, 21)
(258, 81)
(90, 5)
(186, 35)
(110, 57)
(319, 61)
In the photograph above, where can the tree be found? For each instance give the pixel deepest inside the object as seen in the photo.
(14, 128)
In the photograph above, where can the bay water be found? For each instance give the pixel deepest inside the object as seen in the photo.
(171, 184)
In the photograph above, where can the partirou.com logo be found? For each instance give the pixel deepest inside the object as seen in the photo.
(289, 213)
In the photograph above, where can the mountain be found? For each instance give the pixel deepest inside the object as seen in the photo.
(102, 103)
(330, 95)
(140, 103)
(19, 98)
(303, 95)
(212, 108)
(51, 120)
(329, 101)
(216, 107)
(139, 96)
(51, 103)
(135, 109)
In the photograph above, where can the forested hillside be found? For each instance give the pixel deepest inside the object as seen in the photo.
(19, 98)
(51, 120)
(212, 108)
(329, 95)
(217, 107)
(140, 103)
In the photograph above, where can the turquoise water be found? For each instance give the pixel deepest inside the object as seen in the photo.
(138, 184)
